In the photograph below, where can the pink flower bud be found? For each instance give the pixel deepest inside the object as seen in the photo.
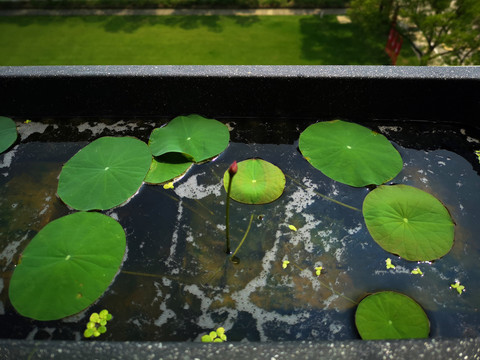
(232, 170)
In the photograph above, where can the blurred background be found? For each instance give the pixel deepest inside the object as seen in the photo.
(240, 32)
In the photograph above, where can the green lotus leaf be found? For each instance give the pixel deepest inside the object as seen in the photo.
(105, 173)
(67, 266)
(256, 182)
(167, 167)
(408, 222)
(8, 133)
(193, 135)
(391, 315)
(350, 153)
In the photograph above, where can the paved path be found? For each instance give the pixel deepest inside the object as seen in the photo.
(160, 12)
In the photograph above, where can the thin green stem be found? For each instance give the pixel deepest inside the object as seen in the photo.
(324, 196)
(236, 250)
(206, 208)
(186, 205)
(244, 237)
(32, 353)
(215, 273)
(227, 215)
(136, 273)
(141, 274)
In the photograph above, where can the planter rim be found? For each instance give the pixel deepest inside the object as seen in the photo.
(429, 93)
(350, 349)
(315, 92)
(250, 71)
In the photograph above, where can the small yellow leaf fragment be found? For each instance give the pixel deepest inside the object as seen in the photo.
(477, 152)
(417, 271)
(221, 334)
(168, 185)
(285, 264)
(458, 287)
(291, 227)
(215, 336)
(318, 270)
(27, 121)
(389, 264)
(206, 338)
(95, 318)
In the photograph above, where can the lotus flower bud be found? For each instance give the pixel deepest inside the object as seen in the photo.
(232, 170)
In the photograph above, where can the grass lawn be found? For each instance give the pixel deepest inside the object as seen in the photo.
(188, 40)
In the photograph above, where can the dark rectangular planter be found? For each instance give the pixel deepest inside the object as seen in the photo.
(437, 95)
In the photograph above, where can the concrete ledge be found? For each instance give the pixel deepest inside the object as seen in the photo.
(353, 92)
(465, 349)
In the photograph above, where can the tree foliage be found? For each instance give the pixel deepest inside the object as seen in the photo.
(373, 15)
(444, 29)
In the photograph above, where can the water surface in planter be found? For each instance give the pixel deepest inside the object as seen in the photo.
(176, 282)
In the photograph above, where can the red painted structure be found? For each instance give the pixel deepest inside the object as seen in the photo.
(394, 44)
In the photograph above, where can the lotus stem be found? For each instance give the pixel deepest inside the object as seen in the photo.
(243, 239)
(232, 170)
(324, 196)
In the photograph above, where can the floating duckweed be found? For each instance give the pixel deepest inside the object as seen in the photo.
(285, 263)
(96, 325)
(291, 227)
(206, 338)
(168, 185)
(215, 336)
(417, 271)
(318, 270)
(88, 333)
(458, 287)
(389, 264)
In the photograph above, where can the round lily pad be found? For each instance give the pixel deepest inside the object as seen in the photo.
(105, 173)
(8, 133)
(167, 167)
(67, 266)
(350, 153)
(198, 137)
(256, 182)
(391, 315)
(408, 222)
